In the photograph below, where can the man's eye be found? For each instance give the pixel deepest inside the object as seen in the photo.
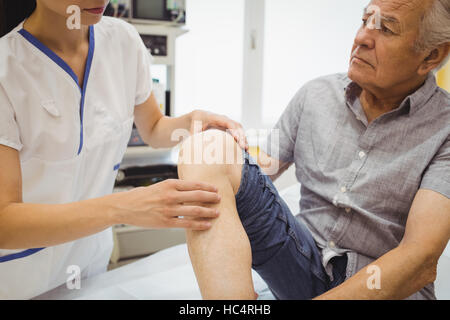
(386, 30)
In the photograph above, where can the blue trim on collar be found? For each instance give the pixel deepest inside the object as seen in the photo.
(60, 62)
(49, 53)
(19, 255)
(87, 72)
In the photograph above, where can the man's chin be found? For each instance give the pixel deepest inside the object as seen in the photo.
(356, 75)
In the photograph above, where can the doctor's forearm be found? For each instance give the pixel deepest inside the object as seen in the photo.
(24, 225)
(402, 272)
(164, 135)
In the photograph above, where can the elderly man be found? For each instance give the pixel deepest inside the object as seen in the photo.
(372, 153)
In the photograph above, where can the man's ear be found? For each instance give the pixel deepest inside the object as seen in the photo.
(434, 59)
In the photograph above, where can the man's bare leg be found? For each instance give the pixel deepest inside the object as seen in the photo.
(221, 256)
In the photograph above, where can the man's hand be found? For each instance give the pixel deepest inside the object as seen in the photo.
(412, 265)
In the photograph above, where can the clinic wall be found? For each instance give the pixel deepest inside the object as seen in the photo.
(209, 58)
(305, 40)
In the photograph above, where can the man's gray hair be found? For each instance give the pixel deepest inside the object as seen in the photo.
(435, 28)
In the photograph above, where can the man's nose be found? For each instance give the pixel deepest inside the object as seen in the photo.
(365, 37)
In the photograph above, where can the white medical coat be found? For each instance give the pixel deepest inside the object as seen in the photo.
(71, 139)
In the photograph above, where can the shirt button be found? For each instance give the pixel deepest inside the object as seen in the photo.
(335, 200)
(343, 189)
(332, 245)
(362, 154)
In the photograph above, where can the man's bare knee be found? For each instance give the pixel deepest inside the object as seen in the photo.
(210, 154)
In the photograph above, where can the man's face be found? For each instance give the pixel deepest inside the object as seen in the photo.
(383, 54)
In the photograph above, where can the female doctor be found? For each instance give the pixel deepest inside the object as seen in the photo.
(68, 99)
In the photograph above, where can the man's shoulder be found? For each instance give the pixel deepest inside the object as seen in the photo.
(341, 78)
(329, 88)
(328, 84)
(438, 107)
(444, 96)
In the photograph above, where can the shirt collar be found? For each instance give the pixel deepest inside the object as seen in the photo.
(412, 102)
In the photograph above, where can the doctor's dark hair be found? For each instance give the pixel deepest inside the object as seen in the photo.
(13, 12)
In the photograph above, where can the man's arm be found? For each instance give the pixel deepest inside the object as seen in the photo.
(412, 265)
(272, 167)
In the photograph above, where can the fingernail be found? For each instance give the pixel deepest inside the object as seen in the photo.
(217, 212)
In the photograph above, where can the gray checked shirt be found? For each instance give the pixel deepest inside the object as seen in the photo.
(358, 180)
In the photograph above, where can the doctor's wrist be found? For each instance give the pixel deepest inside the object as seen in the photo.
(113, 213)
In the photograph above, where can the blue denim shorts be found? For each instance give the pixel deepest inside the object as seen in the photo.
(284, 252)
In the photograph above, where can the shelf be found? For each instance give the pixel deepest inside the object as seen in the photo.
(147, 156)
(135, 242)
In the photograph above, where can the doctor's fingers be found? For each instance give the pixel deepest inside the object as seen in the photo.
(182, 185)
(226, 124)
(193, 212)
(196, 197)
(239, 135)
(197, 225)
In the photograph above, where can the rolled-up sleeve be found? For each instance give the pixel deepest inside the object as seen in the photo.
(9, 130)
(437, 175)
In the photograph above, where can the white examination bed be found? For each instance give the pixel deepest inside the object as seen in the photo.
(168, 275)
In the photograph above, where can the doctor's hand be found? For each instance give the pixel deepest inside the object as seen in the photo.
(169, 204)
(203, 120)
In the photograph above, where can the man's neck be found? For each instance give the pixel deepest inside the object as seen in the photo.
(377, 103)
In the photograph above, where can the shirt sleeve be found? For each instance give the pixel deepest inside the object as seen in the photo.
(144, 85)
(9, 130)
(280, 143)
(437, 175)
